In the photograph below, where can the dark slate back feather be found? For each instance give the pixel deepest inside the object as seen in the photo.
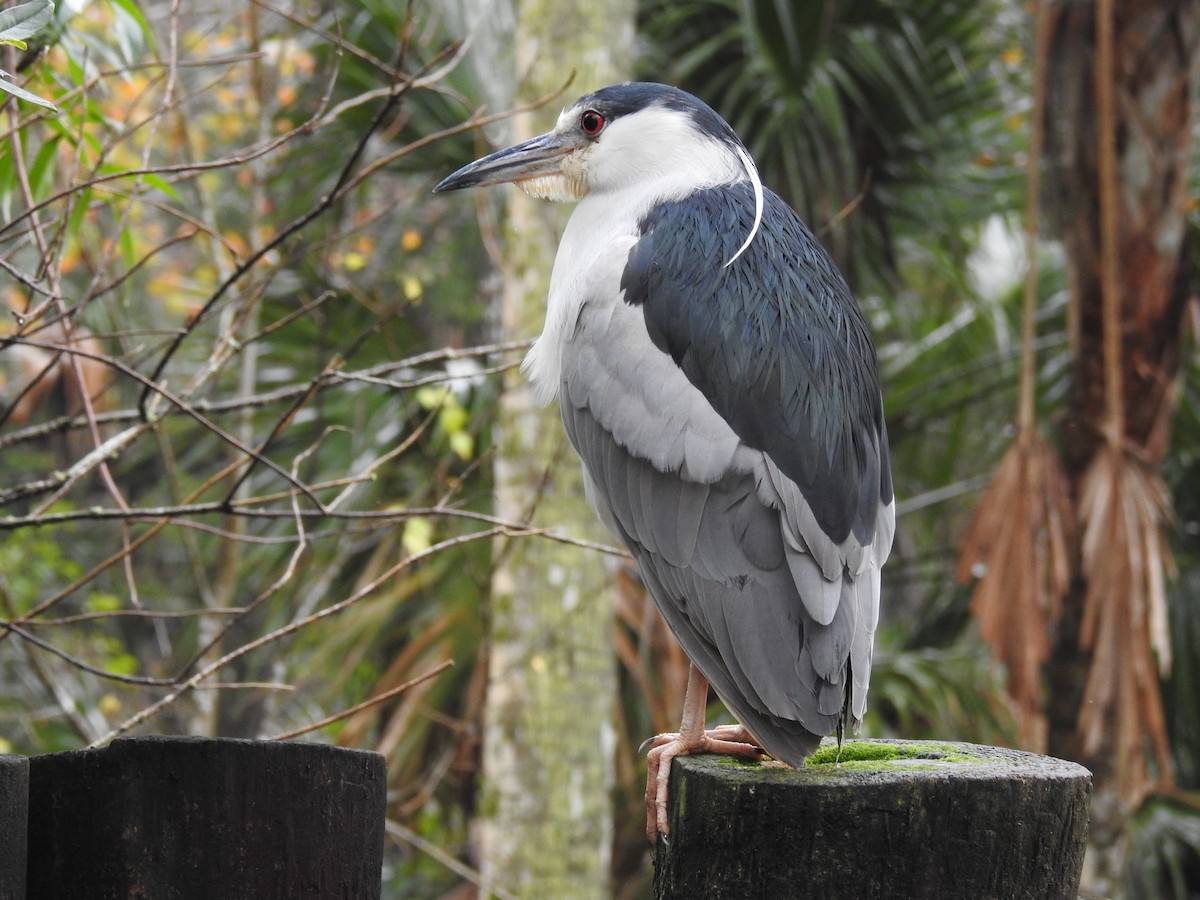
(775, 342)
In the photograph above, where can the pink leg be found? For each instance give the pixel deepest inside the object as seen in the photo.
(726, 740)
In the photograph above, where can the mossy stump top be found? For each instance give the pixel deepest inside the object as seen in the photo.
(889, 819)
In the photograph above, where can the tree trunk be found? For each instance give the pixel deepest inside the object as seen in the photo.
(546, 808)
(1156, 66)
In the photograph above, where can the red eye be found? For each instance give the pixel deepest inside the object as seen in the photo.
(591, 122)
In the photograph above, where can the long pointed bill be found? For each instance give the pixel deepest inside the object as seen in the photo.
(537, 158)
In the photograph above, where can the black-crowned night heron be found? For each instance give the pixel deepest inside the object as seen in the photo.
(718, 380)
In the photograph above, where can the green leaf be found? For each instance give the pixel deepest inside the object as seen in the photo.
(131, 10)
(130, 32)
(41, 169)
(24, 21)
(16, 24)
(128, 247)
(123, 664)
(25, 95)
(103, 601)
(83, 201)
(160, 183)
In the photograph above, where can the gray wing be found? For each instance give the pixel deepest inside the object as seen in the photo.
(775, 342)
(777, 616)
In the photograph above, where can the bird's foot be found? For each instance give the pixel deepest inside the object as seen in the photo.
(725, 740)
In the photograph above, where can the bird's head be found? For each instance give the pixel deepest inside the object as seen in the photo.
(651, 137)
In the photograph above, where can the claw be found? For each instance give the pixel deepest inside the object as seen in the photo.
(651, 742)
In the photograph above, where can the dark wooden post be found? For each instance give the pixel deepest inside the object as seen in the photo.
(892, 820)
(14, 804)
(178, 818)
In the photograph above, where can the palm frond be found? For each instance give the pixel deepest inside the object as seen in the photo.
(1018, 549)
(1123, 507)
(855, 112)
(954, 693)
(1164, 854)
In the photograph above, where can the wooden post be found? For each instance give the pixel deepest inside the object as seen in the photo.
(14, 804)
(893, 819)
(168, 818)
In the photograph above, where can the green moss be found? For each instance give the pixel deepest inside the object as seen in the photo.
(856, 751)
(869, 754)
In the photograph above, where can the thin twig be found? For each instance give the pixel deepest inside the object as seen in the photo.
(80, 664)
(152, 387)
(372, 374)
(130, 614)
(366, 704)
(344, 181)
(1026, 414)
(291, 628)
(1108, 188)
(458, 868)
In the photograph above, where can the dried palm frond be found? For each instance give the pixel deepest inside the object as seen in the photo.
(1018, 549)
(1123, 508)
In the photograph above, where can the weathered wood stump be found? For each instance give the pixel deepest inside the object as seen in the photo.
(893, 819)
(178, 818)
(14, 805)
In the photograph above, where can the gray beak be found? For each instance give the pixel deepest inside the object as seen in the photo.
(534, 158)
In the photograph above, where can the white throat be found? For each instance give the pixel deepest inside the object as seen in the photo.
(653, 156)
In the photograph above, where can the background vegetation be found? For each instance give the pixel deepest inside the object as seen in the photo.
(250, 371)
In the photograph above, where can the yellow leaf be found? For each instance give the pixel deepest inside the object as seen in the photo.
(110, 704)
(432, 397)
(463, 445)
(453, 417)
(417, 536)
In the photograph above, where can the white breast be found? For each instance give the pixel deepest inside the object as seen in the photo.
(587, 269)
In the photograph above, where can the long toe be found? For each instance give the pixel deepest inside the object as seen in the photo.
(726, 740)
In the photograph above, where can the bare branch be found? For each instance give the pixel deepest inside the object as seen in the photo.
(290, 629)
(372, 375)
(150, 418)
(366, 704)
